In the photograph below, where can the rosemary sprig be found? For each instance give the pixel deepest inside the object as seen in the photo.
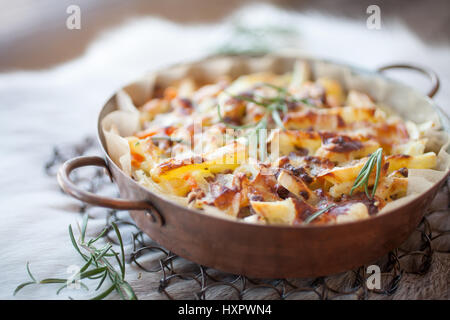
(362, 179)
(256, 40)
(318, 213)
(277, 119)
(284, 96)
(248, 99)
(273, 106)
(97, 266)
(279, 89)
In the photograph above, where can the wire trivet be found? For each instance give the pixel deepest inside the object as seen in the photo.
(415, 256)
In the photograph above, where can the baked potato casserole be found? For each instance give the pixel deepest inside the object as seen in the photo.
(276, 148)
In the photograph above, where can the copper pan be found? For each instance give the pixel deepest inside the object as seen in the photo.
(256, 250)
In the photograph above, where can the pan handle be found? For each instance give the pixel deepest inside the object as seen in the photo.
(425, 71)
(119, 204)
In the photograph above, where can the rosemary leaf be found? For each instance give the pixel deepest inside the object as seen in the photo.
(129, 291)
(103, 252)
(75, 245)
(105, 293)
(362, 171)
(86, 265)
(318, 213)
(95, 277)
(101, 235)
(85, 287)
(92, 272)
(29, 272)
(304, 101)
(279, 89)
(122, 251)
(101, 281)
(122, 267)
(83, 227)
(120, 293)
(96, 267)
(277, 119)
(21, 286)
(245, 98)
(53, 280)
(377, 174)
(363, 177)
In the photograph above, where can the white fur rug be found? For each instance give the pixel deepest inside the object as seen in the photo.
(49, 107)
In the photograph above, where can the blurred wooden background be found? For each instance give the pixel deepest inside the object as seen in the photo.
(33, 33)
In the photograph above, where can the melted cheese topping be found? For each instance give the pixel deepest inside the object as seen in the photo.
(209, 144)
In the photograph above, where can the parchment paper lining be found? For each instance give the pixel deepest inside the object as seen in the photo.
(404, 101)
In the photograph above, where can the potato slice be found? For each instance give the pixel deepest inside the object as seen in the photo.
(144, 154)
(424, 161)
(353, 114)
(289, 141)
(296, 186)
(349, 173)
(300, 75)
(254, 218)
(315, 119)
(186, 88)
(412, 148)
(331, 119)
(359, 99)
(276, 212)
(246, 82)
(339, 189)
(182, 175)
(225, 158)
(334, 93)
(355, 212)
(347, 150)
(343, 174)
(392, 188)
(153, 107)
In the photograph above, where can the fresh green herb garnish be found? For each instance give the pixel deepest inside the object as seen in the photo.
(248, 99)
(285, 98)
(97, 266)
(318, 213)
(273, 107)
(279, 89)
(364, 175)
(277, 119)
(257, 40)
